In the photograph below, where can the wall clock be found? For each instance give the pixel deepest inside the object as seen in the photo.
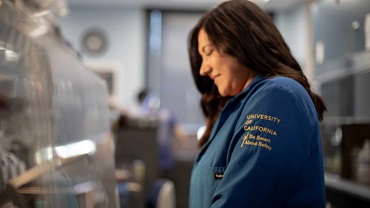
(94, 41)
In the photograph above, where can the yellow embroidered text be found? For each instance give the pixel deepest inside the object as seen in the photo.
(261, 144)
(261, 129)
(251, 140)
(263, 117)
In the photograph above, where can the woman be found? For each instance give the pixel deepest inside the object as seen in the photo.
(262, 145)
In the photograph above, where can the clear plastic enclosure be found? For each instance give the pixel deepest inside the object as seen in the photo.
(56, 148)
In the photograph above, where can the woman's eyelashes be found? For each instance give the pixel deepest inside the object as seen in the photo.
(206, 51)
(209, 52)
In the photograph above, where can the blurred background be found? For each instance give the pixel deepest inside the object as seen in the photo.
(149, 102)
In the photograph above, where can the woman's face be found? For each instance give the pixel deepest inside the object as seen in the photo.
(228, 74)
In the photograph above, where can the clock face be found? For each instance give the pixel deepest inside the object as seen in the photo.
(94, 41)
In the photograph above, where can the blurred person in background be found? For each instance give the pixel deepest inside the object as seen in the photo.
(169, 129)
(262, 143)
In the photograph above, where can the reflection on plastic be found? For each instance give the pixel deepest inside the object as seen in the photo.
(76, 149)
(67, 151)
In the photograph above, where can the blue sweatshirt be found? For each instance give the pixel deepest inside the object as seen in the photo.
(264, 151)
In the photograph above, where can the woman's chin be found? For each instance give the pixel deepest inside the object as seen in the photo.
(226, 93)
(223, 93)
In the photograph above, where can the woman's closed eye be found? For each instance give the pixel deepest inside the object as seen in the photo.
(208, 52)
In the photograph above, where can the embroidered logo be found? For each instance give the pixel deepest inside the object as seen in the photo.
(252, 137)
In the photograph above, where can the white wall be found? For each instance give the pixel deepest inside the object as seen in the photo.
(293, 25)
(125, 30)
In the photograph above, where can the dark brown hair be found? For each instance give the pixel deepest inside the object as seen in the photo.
(243, 30)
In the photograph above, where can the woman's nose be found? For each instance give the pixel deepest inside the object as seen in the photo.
(205, 69)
